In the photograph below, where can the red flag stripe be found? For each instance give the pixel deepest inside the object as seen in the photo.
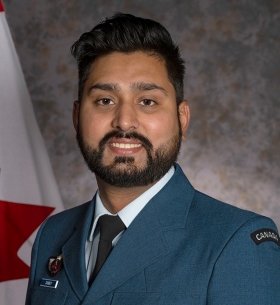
(1, 7)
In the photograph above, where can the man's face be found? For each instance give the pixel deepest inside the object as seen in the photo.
(128, 125)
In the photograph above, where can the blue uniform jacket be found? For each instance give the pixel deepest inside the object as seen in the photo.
(183, 248)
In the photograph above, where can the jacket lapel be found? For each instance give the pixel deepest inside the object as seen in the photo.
(73, 253)
(143, 242)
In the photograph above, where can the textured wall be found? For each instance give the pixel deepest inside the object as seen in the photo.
(232, 82)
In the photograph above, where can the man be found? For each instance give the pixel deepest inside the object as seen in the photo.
(172, 244)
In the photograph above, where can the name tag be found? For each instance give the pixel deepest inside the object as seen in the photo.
(48, 283)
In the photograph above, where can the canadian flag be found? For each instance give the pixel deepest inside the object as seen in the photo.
(28, 191)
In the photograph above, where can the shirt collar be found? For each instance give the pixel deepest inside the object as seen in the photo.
(129, 212)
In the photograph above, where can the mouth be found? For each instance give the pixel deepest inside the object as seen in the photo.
(125, 145)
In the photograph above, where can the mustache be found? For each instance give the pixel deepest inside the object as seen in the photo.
(126, 135)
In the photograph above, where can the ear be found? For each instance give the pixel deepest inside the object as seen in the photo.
(184, 117)
(75, 114)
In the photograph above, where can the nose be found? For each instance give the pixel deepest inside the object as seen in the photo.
(125, 117)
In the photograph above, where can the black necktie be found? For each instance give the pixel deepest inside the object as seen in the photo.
(110, 226)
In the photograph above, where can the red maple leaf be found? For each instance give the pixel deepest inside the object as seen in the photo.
(1, 7)
(17, 222)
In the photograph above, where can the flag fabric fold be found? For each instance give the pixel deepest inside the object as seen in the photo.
(28, 191)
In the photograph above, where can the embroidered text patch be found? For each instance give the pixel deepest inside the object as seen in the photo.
(265, 234)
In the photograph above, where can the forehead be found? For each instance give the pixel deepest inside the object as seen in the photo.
(126, 68)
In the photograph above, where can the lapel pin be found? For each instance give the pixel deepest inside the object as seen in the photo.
(55, 264)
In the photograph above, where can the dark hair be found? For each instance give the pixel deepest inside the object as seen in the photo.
(127, 33)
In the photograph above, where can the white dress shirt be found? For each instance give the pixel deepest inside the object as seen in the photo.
(127, 214)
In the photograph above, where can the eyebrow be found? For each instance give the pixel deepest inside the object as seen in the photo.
(105, 87)
(141, 86)
(146, 87)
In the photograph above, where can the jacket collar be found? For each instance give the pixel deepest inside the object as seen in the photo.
(144, 241)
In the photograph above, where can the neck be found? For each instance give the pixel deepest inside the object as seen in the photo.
(116, 198)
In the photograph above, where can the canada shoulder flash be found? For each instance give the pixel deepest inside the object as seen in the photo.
(265, 234)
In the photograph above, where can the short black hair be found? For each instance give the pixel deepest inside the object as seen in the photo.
(127, 34)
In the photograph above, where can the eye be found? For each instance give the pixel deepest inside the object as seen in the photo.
(105, 102)
(147, 102)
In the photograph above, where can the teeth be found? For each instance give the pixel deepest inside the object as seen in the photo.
(125, 145)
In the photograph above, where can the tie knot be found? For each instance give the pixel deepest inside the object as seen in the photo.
(110, 226)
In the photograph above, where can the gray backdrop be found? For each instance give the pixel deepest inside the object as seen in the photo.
(231, 49)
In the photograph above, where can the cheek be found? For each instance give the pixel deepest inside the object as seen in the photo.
(92, 127)
(162, 128)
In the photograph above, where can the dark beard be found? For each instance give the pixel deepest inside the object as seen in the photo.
(130, 176)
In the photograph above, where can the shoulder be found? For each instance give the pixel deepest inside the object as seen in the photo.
(246, 252)
(65, 222)
(224, 224)
(248, 263)
(217, 214)
(70, 214)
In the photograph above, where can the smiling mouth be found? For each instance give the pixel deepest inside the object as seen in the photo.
(125, 145)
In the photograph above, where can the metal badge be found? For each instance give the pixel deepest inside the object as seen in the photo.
(55, 265)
